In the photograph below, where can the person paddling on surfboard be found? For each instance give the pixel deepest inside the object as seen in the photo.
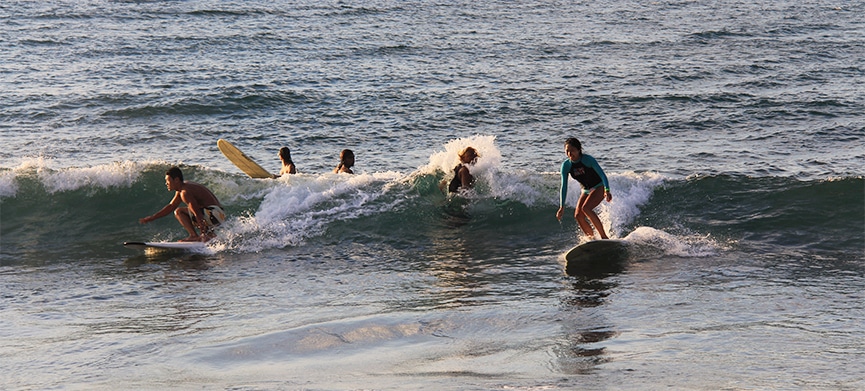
(462, 177)
(202, 211)
(287, 163)
(346, 162)
(585, 170)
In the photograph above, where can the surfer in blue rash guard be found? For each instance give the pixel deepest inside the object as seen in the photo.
(585, 170)
(202, 210)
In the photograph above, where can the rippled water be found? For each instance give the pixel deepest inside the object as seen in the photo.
(732, 134)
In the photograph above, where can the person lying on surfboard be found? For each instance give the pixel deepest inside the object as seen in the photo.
(585, 170)
(202, 211)
(287, 163)
(346, 162)
(462, 177)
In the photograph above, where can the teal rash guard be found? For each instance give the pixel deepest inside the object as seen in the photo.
(587, 171)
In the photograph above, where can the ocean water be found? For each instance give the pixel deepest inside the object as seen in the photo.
(732, 133)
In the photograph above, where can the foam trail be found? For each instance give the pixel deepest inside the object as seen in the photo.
(630, 192)
(302, 206)
(696, 246)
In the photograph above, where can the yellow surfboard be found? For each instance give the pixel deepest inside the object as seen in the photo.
(243, 162)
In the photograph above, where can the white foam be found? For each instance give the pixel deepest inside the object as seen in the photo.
(117, 174)
(8, 184)
(297, 207)
(518, 185)
(300, 206)
(630, 192)
(688, 246)
(489, 156)
(490, 180)
(33, 164)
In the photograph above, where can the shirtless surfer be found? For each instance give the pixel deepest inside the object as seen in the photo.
(202, 211)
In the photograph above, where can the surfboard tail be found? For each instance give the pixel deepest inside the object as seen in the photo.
(596, 258)
(241, 161)
(182, 246)
(135, 245)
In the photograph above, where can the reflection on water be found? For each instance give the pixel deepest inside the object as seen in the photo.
(457, 274)
(578, 354)
(581, 351)
(587, 293)
(173, 296)
(175, 259)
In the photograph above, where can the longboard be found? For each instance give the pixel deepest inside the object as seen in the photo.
(184, 246)
(243, 162)
(596, 256)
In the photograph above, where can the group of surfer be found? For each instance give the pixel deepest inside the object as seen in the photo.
(203, 212)
(346, 162)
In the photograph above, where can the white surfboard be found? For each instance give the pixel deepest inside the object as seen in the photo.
(595, 255)
(181, 246)
(243, 162)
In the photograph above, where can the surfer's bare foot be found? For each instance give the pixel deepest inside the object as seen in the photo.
(191, 239)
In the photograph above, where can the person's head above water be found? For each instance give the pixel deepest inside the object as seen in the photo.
(285, 155)
(468, 155)
(346, 161)
(346, 158)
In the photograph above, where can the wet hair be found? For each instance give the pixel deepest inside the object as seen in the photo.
(174, 172)
(573, 142)
(468, 150)
(285, 155)
(344, 155)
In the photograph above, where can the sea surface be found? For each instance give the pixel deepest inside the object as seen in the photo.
(732, 132)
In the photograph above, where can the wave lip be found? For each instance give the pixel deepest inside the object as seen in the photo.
(95, 208)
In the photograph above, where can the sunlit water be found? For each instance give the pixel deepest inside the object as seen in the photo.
(731, 132)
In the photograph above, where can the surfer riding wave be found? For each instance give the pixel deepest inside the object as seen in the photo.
(203, 210)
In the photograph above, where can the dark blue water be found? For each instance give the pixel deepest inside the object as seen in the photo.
(732, 134)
